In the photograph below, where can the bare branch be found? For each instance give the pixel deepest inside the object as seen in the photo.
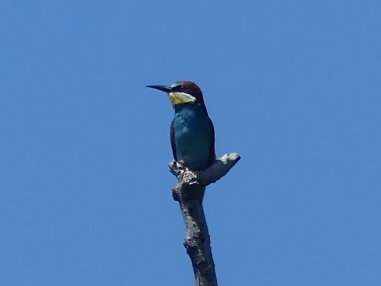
(189, 192)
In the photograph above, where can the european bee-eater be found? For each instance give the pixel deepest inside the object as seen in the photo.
(192, 131)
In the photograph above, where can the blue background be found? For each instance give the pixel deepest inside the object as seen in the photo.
(293, 86)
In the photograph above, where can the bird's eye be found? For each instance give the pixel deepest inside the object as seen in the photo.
(179, 87)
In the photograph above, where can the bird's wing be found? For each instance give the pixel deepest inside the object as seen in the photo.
(212, 151)
(172, 138)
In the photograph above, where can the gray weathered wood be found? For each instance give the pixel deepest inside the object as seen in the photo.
(189, 192)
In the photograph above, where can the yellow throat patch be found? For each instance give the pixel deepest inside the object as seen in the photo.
(180, 97)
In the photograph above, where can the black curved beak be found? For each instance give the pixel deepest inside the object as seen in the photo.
(160, 87)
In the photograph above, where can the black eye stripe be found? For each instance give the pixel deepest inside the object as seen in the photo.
(178, 87)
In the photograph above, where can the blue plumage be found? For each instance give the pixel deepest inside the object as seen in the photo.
(192, 136)
(192, 131)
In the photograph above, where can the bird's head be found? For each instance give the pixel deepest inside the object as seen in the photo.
(181, 92)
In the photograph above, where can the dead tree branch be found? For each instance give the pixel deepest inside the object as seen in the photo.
(189, 192)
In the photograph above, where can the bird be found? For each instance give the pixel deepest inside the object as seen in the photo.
(191, 132)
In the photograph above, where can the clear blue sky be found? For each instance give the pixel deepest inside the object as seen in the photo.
(293, 86)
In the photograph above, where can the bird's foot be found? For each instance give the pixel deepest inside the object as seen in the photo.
(177, 168)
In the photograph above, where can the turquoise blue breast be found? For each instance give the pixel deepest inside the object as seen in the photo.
(192, 136)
